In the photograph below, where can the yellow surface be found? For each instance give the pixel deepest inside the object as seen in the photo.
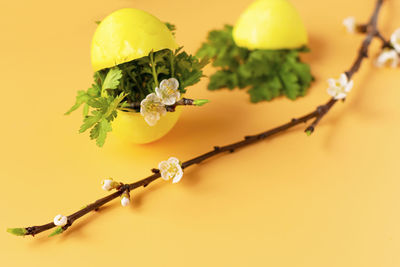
(132, 128)
(128, 34)
(331, 199)
(270, 24)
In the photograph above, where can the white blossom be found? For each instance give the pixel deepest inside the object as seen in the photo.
(350, 24)
(60, 220)
(171, 169)
(388, 57)
(339, 88)
(168, 91)
(125, 201)
(152, 108)
(395, 40)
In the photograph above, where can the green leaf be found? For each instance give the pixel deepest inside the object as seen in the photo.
(90, 121)
(17, 231)
(170, 27)
(223, 79)
(112, 79)
(85, 111)
(266, 90)
(57, 231)
(81, 98)
(104, 126)
(291, 84)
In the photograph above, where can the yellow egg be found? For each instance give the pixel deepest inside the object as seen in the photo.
(270, 24)
(128, 34)
(123, 36)
(132, 128)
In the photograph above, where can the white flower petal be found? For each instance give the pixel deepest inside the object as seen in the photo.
(349, 86)
(332, 91)
(163, 83)
(158, 92)
(343, 79)
(388, 57)
(175, 83)
(60, 220)
(163, 165)
(340, 96)
(173, 160)
(395, 40)
(151, 119)
(332, 82)
(169, 100)
(177, 177)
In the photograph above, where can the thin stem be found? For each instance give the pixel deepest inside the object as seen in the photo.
(385, 43)
(135, 106)
(153, 68)
(372, 31)
(316, 114)
(171, 60)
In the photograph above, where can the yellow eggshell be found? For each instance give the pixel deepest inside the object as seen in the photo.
(270, 24)
(128, 34)
(132, 128)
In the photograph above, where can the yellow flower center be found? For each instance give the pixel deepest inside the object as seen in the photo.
(172, 170)
(151, 106)
(169, 90)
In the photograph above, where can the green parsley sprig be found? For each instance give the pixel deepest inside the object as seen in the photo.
(267, 73)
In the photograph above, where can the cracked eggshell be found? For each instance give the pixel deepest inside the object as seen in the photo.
(128, 34)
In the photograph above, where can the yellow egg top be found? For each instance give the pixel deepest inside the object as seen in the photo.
(128, 34)
(270, 24)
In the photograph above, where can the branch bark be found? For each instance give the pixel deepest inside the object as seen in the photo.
(317, 115)
(135, 107)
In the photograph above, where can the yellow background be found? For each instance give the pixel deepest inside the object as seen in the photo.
(331, 199)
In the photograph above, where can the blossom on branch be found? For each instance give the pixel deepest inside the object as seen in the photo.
(388, 57)
(339, 88)
(395, 40)
(171, 169)
(151, 108)
(168, 91)
(60, 220)
(350, 24)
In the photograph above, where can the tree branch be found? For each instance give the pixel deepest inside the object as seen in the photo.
(372, 32)
(135, 106)
(316, 114)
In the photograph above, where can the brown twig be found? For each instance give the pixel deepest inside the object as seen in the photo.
(135, 106)
(385, 43)
(372, 31)
(317, 115)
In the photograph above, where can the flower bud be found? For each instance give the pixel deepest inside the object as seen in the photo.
(200, 102)
(109, 184)
(125, 199)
